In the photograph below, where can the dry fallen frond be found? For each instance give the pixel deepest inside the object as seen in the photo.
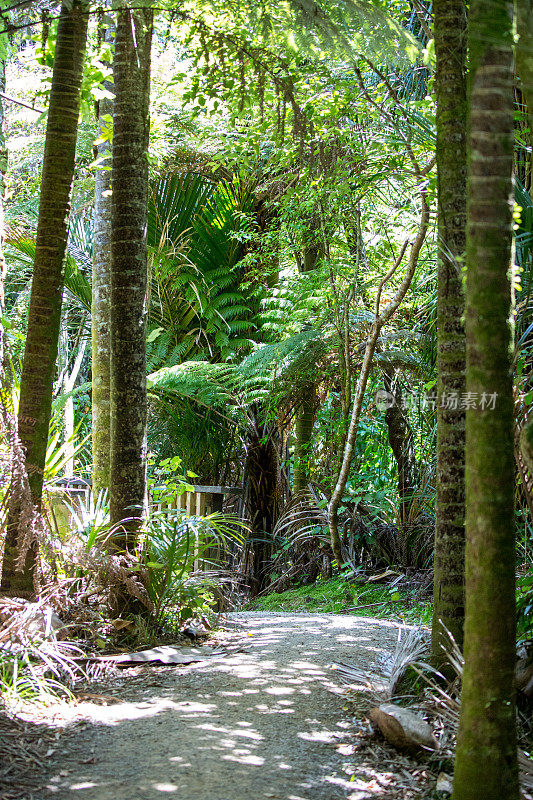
(381, 683)
(442, 705)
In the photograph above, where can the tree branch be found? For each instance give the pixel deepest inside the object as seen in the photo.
(372, 339)
(21, 103)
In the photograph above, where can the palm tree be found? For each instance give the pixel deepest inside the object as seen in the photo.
(47, 285)
(131, 71)
(450, 82)
(486, 756)
(101, 292)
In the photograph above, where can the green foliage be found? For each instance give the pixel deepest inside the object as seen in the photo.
(21, 682)
(201, 434)
(524, 606)
(276, 128)
(92, 524)
(77, 260)
(59, 450)
(339, 595)
(175, 543)
(197, 230)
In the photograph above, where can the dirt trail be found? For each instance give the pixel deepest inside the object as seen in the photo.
(263, 723)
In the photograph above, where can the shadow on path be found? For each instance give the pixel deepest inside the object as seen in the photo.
(264, 723)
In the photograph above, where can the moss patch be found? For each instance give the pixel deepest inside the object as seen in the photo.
(338, 596)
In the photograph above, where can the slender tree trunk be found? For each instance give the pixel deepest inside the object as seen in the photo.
(47, 284)
(264, 502)
(356, 245)
(101, 296)
(305, 420)
(129, 266)
(380, 321)
(305, 415)
(68, 411)
(450, 17)
(486, 756)
(3, 170)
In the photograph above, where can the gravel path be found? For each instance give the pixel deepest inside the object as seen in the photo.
(265, 722)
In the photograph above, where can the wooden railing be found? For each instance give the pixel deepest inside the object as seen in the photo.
(203, 501)
(73, 494)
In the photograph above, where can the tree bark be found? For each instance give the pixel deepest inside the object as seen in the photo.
(305, 419)
(264, 501)
(129, 268)
(101, 296)
(313, 251)
(524, 53)
(47, 284)
(486, 755)
(401, 441)
(3, 170)
(450, 18)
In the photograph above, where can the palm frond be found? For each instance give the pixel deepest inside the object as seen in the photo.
(76, 281)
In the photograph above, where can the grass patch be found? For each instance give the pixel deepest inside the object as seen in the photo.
(339, 595)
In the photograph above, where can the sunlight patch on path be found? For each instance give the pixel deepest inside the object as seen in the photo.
(264, 723)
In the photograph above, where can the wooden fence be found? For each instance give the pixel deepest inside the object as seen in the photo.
(72, 495)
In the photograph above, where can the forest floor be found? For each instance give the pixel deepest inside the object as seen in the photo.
(268, 719)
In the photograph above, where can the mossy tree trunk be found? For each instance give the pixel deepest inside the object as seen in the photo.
(524, 53)
(313, 251)
(47, 284)
(3, 170)
(486, 756)
(450, 18)
(129, 267)
(101, 293)
(305, 420)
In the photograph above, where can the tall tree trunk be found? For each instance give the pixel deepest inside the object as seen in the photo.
(47, 284)
(3, 170)
(524, 53)
(129, 266)
(486, 756)
(450, 18)
(101, 295)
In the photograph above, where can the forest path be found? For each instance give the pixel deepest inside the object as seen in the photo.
(263, 722)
